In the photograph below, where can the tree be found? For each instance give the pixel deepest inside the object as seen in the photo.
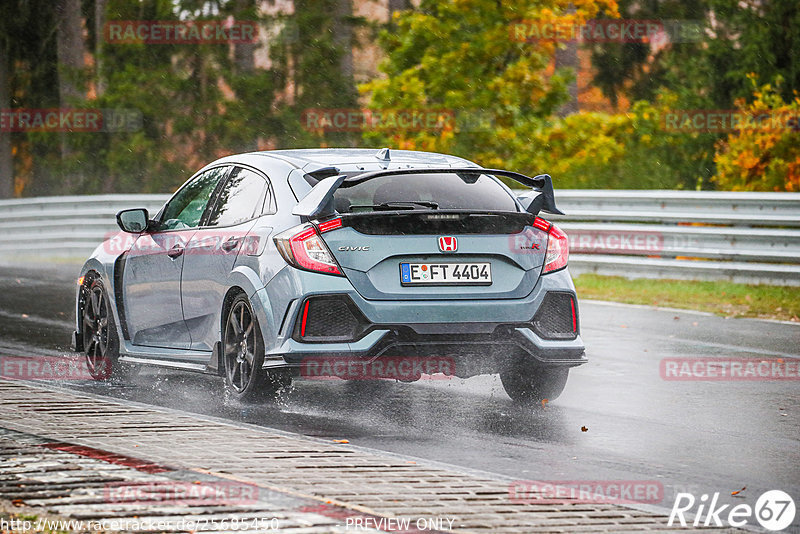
(27, 30)
(763, 155)
(737, 38)
(636, 69)
(460, 57)
(70, 51)
(312, 59)
(100, 7)
(6, 158)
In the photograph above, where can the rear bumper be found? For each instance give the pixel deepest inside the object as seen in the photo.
(388, 342)
(474, 330)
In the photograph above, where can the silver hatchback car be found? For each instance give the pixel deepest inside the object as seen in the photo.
(347, 263)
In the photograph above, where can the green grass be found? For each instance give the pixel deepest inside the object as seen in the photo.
(722, 298)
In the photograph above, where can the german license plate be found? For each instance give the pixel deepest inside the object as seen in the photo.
(455, 274)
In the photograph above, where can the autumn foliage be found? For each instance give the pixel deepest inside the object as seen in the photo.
(765, 158)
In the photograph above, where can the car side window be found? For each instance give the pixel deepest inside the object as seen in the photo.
(240, 199)
(186, 208)
(269, 205)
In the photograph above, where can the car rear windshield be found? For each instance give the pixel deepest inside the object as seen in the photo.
(444, 191)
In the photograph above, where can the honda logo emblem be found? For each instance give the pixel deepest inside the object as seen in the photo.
(448, 244)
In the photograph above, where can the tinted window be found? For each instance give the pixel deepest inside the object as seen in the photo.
(240, 199)
(448, 191)
(185, 209)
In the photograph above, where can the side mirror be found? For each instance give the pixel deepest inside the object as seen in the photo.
(133, 221)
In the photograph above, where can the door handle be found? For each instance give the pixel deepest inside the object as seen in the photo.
(175, 251)
(230, 244)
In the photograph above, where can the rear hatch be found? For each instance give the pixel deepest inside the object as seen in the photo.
(439, 254)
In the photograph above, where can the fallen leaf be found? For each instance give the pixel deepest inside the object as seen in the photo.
(18, 502)
(623, 326)
(544, 402)
(739, 491)
(676, 318)
(410, 462)
(584, 429)
(341, 441)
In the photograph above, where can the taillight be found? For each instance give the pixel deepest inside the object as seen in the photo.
(557, 247)
(303, 247)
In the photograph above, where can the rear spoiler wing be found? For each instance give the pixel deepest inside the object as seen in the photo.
(319, 201)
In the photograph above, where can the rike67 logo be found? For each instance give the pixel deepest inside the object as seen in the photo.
(774, 511)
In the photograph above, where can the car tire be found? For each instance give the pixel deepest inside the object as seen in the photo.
(530, 383)
(243, 356)
(100, 339)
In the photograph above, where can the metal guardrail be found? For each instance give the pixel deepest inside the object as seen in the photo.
(63, 227)
(742, 237)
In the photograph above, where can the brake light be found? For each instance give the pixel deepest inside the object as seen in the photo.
(327, 226)
(541, 224)
(303, 247)
(557, 249)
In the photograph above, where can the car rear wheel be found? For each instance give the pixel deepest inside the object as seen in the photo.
(243, 356)
(531, 383)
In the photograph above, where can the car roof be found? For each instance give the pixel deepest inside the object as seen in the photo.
(311, 158)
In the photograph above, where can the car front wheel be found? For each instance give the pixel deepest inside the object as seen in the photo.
(100, 340)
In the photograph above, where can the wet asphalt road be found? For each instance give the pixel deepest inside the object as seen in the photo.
(689, 435)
